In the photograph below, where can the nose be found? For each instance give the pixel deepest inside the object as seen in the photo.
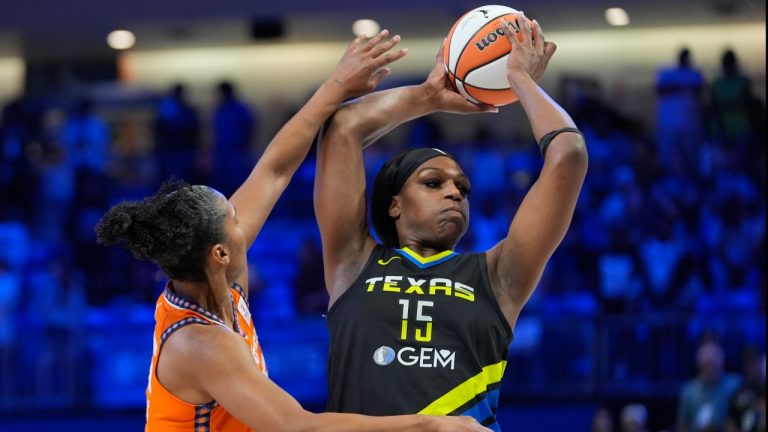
(452, 192)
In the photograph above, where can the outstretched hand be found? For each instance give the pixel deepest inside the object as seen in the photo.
(530, 52)
(443, 95)
(363, 65)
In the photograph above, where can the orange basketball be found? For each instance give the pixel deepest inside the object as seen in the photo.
(475, 55)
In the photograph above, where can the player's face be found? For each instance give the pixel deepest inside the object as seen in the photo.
(432, 208)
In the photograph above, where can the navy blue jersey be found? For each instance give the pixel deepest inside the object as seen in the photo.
(418, 335)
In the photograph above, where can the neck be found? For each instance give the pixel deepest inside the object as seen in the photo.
(214, 297)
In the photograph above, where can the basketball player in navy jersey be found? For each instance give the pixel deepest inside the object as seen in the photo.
(416, 327)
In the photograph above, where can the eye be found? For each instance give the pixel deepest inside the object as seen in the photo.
(465, 190)
(432, 183)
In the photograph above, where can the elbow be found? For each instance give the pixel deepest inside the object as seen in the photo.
(344, 123)
(569, 152)
(304, 422)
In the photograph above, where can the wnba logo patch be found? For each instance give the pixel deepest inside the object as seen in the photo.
(384, 356)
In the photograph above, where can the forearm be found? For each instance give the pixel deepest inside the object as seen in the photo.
(370, 117)
(337, 422)
(544, 114)
(292, 142)
(256, 197)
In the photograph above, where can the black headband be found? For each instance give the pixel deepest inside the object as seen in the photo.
(404, 164)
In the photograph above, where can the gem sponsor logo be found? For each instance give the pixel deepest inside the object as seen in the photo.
(424, 357)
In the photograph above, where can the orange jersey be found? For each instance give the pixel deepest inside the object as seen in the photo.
(166, 412)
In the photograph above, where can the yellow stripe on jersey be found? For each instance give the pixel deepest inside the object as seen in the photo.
(466, 391)
(427, 260)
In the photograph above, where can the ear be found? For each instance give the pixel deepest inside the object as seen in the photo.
(394, 208)
(220, 254)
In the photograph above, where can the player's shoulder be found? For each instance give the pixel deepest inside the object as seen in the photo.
(195, 342)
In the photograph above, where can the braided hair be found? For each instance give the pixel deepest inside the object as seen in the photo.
(174, 228)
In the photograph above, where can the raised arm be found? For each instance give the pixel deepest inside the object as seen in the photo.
(212, 363)
(339, 198)
(360, 69)
(515, 264)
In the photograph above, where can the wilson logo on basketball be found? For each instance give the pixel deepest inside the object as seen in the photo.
(476, 53)
(489, 39)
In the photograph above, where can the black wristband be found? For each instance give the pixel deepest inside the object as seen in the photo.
(548, 137)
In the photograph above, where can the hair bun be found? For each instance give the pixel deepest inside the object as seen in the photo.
(116, 224)
(123, 222)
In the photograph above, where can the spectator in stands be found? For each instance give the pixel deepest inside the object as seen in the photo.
(234, 126)
(177, 135)
(633, 418)
(19, 126)
(10, 290)
(85, 138)
(747, 407)
(703, 403)
(679, 109)
(731, 98)
(602, 421)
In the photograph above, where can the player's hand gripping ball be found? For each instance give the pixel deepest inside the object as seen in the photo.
(475, 54)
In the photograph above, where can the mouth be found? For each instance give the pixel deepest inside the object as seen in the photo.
(453, 211)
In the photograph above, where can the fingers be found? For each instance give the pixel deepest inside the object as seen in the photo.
(519, 30)
(356, 42)
(375, 40)
(525, 28)
(538, 41)
(379, 45)
(510, 32)
(390, 57)
(380, 75)
(549, 49)
(440, 53)
(456, 103)
(385, 46)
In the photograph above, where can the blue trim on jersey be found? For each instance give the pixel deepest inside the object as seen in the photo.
(203, 416)
(482, 411)
(423, 263)
(493, 399)
(179, 324)
(185, 303)
(239, 290)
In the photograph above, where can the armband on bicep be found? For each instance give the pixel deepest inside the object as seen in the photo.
(549, 136)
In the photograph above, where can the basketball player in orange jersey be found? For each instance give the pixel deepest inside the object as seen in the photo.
(430, 328)
(207, 371)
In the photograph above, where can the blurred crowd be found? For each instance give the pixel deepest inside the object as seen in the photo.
(713, 401)
(671, 217)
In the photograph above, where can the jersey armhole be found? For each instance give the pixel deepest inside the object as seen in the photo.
(170, 330)
(489, 291)
(341, 298)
